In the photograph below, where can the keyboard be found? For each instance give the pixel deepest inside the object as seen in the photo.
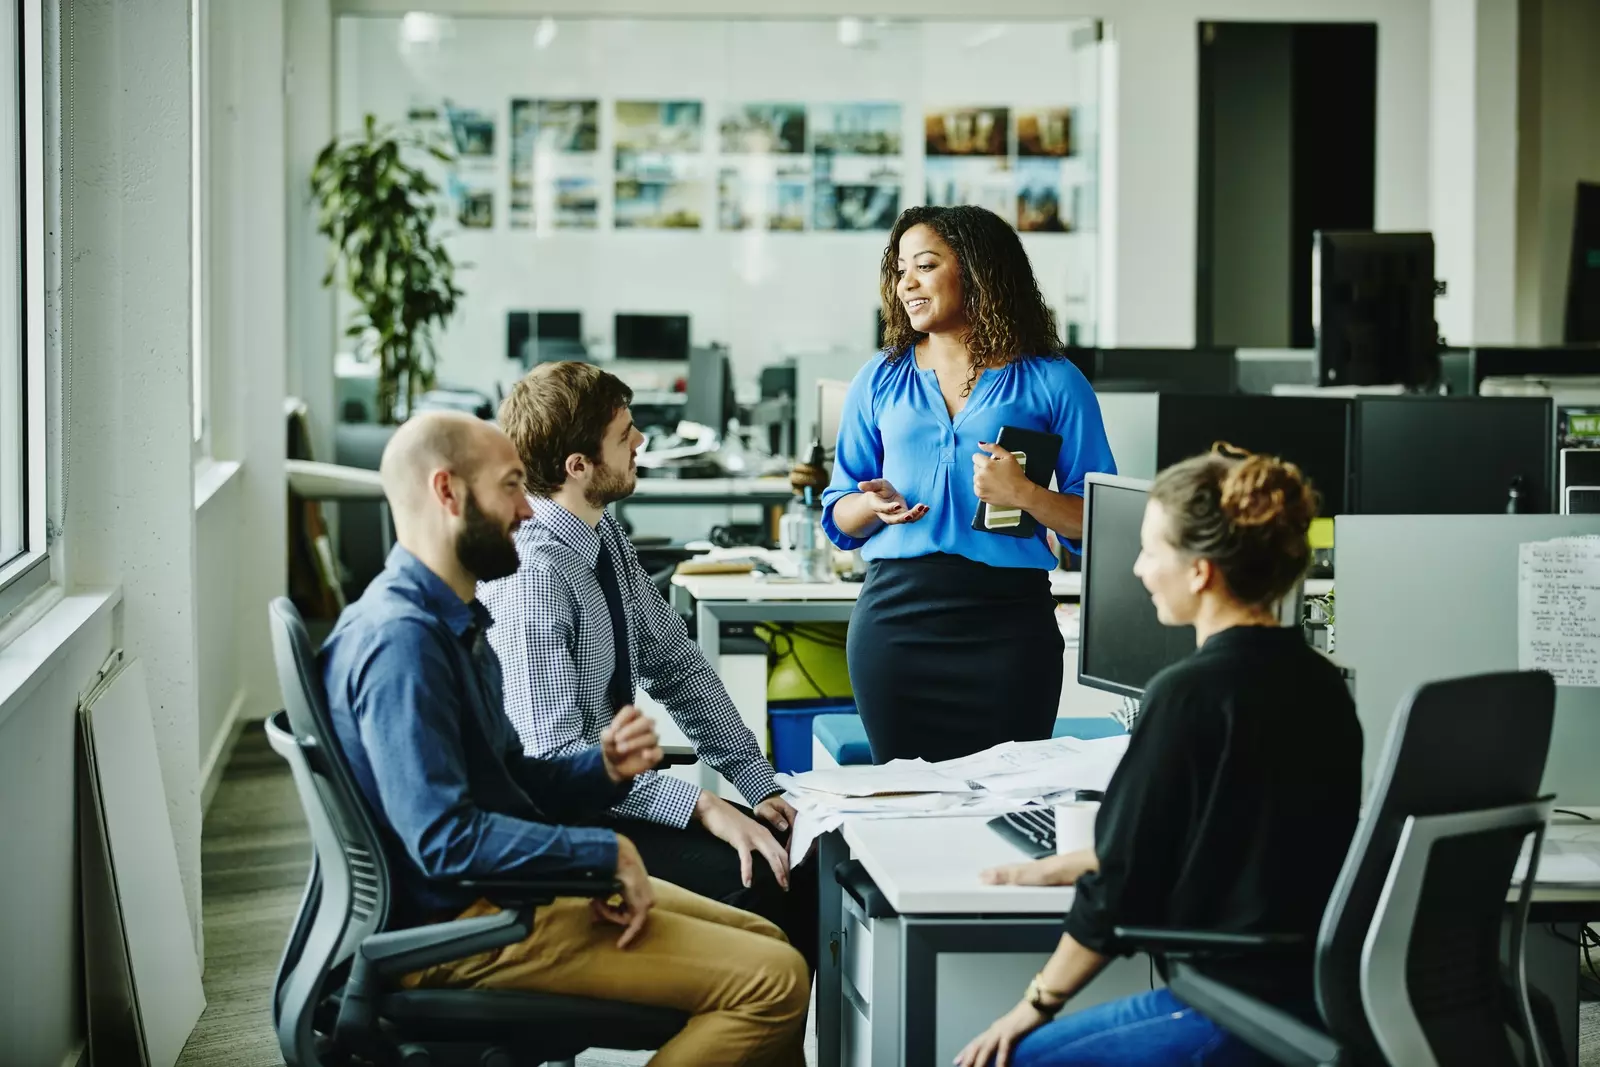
(1032, 830)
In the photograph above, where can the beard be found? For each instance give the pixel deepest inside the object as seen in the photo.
(610, 485)
(484, 547)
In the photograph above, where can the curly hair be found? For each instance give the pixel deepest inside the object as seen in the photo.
(1246, 513)
(1006, 315)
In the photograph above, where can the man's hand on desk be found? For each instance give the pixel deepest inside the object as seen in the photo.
(631, 907)
(1051, 870)
(629, 745)
(776, 813)
(746, 835)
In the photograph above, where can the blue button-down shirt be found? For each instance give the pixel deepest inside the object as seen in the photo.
(415, 694)
(895, 425)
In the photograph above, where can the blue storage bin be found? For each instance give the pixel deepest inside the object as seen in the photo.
(1088, 727)
(790, 726)
(844, 737)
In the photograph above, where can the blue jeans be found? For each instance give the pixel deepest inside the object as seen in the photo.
(1152, 1029)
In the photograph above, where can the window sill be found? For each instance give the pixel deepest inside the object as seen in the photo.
(42, 636)
(210, 475)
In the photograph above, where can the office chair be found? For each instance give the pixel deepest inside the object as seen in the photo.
(337, 999)
(1407, 961)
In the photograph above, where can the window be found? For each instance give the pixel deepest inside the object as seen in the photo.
(23, 563)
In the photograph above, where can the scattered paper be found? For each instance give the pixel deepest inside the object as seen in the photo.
(899, 776)
(1008, 777)
(1558, 609)
(1568, 863)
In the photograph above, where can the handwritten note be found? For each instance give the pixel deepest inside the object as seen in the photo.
(1558, 609)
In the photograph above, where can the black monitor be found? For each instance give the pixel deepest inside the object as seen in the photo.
(1310, 432)
(664, 337)
(558, 325)
(710, 397)
(1440, 455)
(1372, 309)
(1164, 370)
(1121, 644)
(1553, 361)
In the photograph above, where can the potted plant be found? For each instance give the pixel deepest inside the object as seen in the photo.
(378, 212)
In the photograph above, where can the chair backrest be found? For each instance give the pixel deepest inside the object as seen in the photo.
(1464, 745)
(348, 899)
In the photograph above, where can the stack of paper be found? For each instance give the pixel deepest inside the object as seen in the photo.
(1570, 857)
(1008, 777)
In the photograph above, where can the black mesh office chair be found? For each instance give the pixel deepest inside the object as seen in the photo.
(1409, 969)
(337, 998)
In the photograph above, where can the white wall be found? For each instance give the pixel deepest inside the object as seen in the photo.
(308, 105)
(130, 511)
(1559, 146)
(761, 293)
(245, 520)
(1474, 154)
(1148, 206)
(41, 972)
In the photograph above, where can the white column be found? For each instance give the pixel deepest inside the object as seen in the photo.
(1473, 164)
(125, 265)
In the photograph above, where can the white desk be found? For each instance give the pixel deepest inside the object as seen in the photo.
(914, 982)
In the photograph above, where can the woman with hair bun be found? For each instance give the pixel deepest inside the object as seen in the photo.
(1236, 801)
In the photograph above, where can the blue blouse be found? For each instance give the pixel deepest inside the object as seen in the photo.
(895, 426)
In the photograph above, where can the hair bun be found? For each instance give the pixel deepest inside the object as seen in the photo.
(1261, 490)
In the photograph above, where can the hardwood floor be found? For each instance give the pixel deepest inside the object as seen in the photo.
(255, 851)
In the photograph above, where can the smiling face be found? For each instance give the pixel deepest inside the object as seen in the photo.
(1174, 579)
(929, 282)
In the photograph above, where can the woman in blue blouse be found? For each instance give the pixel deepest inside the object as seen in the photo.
(953, 646)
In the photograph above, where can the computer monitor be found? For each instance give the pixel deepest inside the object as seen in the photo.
(1372, 308)
(661, 337)
(1164, 370)
(830, 411)
(1310, 432)
(558, 325)
(709, 401)
(1557, 361)
(1578, 466)
(1121, 643)
(1440, 455)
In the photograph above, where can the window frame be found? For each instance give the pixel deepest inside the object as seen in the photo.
(200, 235)
(21, 577)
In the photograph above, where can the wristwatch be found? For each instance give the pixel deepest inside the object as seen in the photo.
(1039, 998)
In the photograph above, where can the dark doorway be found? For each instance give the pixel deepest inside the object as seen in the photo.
(1287, 146)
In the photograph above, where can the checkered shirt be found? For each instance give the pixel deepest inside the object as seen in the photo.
(553, 635)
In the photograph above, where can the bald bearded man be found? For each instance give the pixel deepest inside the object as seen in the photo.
(414, 689)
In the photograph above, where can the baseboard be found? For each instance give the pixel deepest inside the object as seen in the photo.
(76, 1057)
(216, 760)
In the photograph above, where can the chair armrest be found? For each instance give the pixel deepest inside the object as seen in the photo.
(1163, 939)
(1273, 1032)
(396, 952)
(677, 756)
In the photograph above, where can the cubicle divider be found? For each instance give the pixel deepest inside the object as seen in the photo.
(1424, 597)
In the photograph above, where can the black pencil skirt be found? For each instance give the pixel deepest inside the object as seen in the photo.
(949, 656)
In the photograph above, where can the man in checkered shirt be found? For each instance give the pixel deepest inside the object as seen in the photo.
(580, 621)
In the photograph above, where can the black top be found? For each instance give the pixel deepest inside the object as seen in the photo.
(1233, 808)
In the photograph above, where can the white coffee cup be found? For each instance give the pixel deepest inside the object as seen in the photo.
(1075, 825)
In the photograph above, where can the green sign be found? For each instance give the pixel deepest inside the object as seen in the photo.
(1587, 425)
